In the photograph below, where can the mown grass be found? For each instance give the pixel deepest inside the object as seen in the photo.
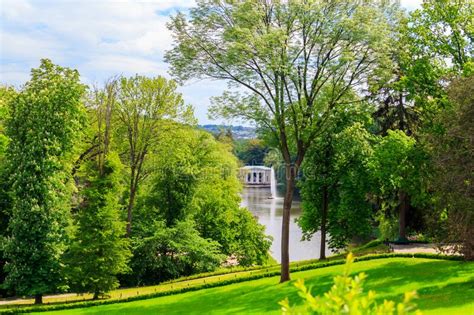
(444, 287)
(196, 280)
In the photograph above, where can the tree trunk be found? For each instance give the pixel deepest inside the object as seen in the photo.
(96, 296)
(131, 201)
(285, 224)
(39, 299)
(403, 209)
(324, 215)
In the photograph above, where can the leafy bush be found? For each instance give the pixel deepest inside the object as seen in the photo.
(347, 297)
(171, 252)
(387, 226)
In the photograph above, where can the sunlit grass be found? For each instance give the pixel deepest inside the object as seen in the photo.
(444, 287)
(224, 274)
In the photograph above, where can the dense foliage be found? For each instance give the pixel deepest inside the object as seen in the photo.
(335, 180)
(71, 184)
(99, 251)
(452, 149)
(251, 151)
(193, 192)
(417, 145)
(46, 118)
(142, 105)
(171, 252)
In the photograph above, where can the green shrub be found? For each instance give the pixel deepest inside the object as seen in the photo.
(347, 297)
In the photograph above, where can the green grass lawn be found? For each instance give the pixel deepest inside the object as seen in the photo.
(444, 287)
(195, 280)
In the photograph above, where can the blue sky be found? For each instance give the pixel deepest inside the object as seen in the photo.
(100, 38)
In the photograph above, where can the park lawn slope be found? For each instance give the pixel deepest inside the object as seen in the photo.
(233, 274)
(444, 287)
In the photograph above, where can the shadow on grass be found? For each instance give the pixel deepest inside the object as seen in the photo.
(397, 274)
(447, 296)
(247, 298)
(438, 283)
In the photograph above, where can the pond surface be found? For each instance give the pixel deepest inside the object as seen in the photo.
(269, 213)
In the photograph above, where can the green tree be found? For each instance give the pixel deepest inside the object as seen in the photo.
(6, 95)
(99, 249)
(251, 151)
(406, 101)
(192, 188)
(399, 169)
(174, 177)
(45, 124)
(401, 96)
(334, 187)
(216, 206)
(453, 181)
(171, 252)
(195, 178)
(443, 30)
(295, 59)
(434, 43)
(142, 106)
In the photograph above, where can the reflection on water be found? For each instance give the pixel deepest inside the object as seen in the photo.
(269, 213)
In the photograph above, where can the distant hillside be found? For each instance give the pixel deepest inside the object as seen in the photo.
(238, 132)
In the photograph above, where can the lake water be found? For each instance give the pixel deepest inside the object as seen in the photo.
(269, 213)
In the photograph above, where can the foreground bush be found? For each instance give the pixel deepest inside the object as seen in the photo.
(346, 297)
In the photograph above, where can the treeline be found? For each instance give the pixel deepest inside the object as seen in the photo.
(397, 161)
(110, 186)
(364, 178)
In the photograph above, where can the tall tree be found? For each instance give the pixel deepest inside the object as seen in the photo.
(143, 104)
(99, 250)
(46, 120)
(6, 95)
(334, 187)
(452, 149)
(399, 168)
(295, 59)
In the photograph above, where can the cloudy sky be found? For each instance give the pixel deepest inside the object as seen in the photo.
(100, 38)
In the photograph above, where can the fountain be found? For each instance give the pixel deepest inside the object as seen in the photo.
(273, 183)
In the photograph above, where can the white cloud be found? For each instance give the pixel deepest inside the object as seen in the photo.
(100, 38)
(96, 37)
(411, 4)
(104, 66)
(13, 74)
(28, 47)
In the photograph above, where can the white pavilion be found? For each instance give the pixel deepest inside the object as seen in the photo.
(255, 175)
